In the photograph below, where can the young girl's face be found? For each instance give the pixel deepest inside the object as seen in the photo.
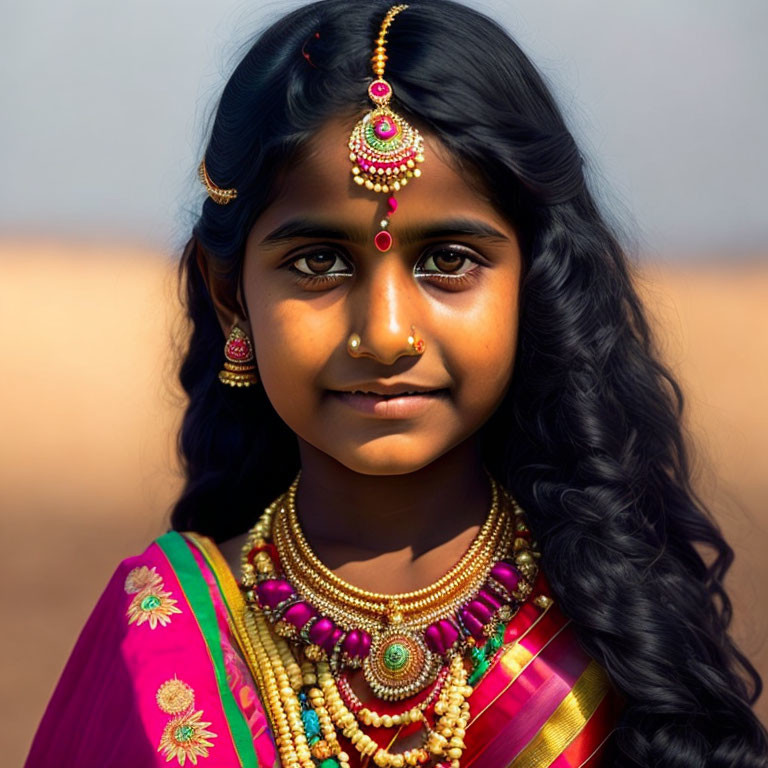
(453, 272)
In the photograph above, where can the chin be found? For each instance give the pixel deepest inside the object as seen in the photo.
(394, 461)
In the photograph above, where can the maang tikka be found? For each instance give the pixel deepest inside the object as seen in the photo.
(384, 148)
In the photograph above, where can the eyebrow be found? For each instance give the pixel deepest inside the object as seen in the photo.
(294, 229)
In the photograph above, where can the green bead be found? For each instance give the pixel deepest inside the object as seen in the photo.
(150, 602)
(330, 762)
(477, 673)
(184, 733)
(477, 654)
(396, 656)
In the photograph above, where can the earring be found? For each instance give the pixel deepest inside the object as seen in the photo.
(239, 361)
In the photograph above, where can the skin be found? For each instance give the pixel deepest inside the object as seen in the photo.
(388, 504)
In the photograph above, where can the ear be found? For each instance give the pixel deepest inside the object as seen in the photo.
(229, 309)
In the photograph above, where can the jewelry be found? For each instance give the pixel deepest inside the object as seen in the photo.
(309, 703)
(217, 194)
(383, 147)
(353, 344)
(239, 368)
(416, 345)
(401, 641)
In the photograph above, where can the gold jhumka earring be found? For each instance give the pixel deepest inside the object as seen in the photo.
(383, 147)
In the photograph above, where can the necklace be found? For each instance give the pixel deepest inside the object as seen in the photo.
(403, 642)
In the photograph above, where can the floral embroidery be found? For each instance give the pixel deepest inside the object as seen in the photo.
(185, 735)
(142, 578)
(150, 602)
(174, 696)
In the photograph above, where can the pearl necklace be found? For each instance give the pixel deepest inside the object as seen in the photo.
(308, 706)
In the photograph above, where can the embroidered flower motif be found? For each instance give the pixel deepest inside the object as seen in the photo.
(175, 696)
(142, 578)
(155, 606)
(151, 602)
(185, 736)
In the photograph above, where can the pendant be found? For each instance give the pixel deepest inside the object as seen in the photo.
(399, 663)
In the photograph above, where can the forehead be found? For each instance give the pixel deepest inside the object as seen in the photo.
(321, 182)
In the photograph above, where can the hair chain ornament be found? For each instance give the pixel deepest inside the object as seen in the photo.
(305, 626)
(217, 194)
(384, 148)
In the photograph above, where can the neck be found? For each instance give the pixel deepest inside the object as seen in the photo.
(384, 513)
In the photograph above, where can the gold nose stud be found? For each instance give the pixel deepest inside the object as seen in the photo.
(353, 344)
(416, 343)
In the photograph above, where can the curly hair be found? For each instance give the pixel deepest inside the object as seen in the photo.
(588, 437)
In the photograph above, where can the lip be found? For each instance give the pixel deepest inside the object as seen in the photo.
(375, 387)
(396, 406)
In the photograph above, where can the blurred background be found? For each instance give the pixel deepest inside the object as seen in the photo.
(105, 112)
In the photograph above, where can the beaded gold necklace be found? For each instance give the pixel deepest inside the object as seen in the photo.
(414, 639)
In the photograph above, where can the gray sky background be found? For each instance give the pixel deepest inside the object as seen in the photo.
(104, 107)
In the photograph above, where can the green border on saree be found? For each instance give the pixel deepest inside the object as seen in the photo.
(176, 549)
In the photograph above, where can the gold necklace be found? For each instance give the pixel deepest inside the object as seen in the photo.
(296, 690)
(462, 571)
(400, 662)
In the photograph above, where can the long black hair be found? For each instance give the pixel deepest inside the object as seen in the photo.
(588, 438)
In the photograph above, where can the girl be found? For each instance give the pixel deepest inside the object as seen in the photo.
(438, 507)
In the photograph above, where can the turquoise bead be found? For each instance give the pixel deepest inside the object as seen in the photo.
(311, 723)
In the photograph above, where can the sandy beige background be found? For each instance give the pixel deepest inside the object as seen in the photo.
(89, 408)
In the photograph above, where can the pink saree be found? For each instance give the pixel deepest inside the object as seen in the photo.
(156, 679)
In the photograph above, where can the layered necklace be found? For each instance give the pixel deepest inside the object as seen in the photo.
(308, 628)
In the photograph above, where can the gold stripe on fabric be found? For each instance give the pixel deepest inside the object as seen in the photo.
(235, 603)
(221, 569)
(516, 659)
(233, 597)
(567, 721)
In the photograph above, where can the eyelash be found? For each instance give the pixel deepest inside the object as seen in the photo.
(454, 281)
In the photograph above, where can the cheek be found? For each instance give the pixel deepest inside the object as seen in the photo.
(291, 343)
(484, 349)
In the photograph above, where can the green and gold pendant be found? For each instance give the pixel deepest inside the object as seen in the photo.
(399, 663)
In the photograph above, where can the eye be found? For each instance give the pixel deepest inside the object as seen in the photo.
(450, 265)
(319, 262)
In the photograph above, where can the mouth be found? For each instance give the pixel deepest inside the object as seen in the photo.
(401, 405)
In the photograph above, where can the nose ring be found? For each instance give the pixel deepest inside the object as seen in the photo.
(353, 344)
(416, 345)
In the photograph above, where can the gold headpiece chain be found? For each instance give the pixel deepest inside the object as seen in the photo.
(217, 194)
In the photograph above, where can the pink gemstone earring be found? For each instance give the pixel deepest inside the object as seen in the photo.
(239, 364)
(384, 148)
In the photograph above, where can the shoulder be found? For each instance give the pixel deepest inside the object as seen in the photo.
(146, 668)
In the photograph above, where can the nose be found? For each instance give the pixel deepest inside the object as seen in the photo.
(385, 309)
